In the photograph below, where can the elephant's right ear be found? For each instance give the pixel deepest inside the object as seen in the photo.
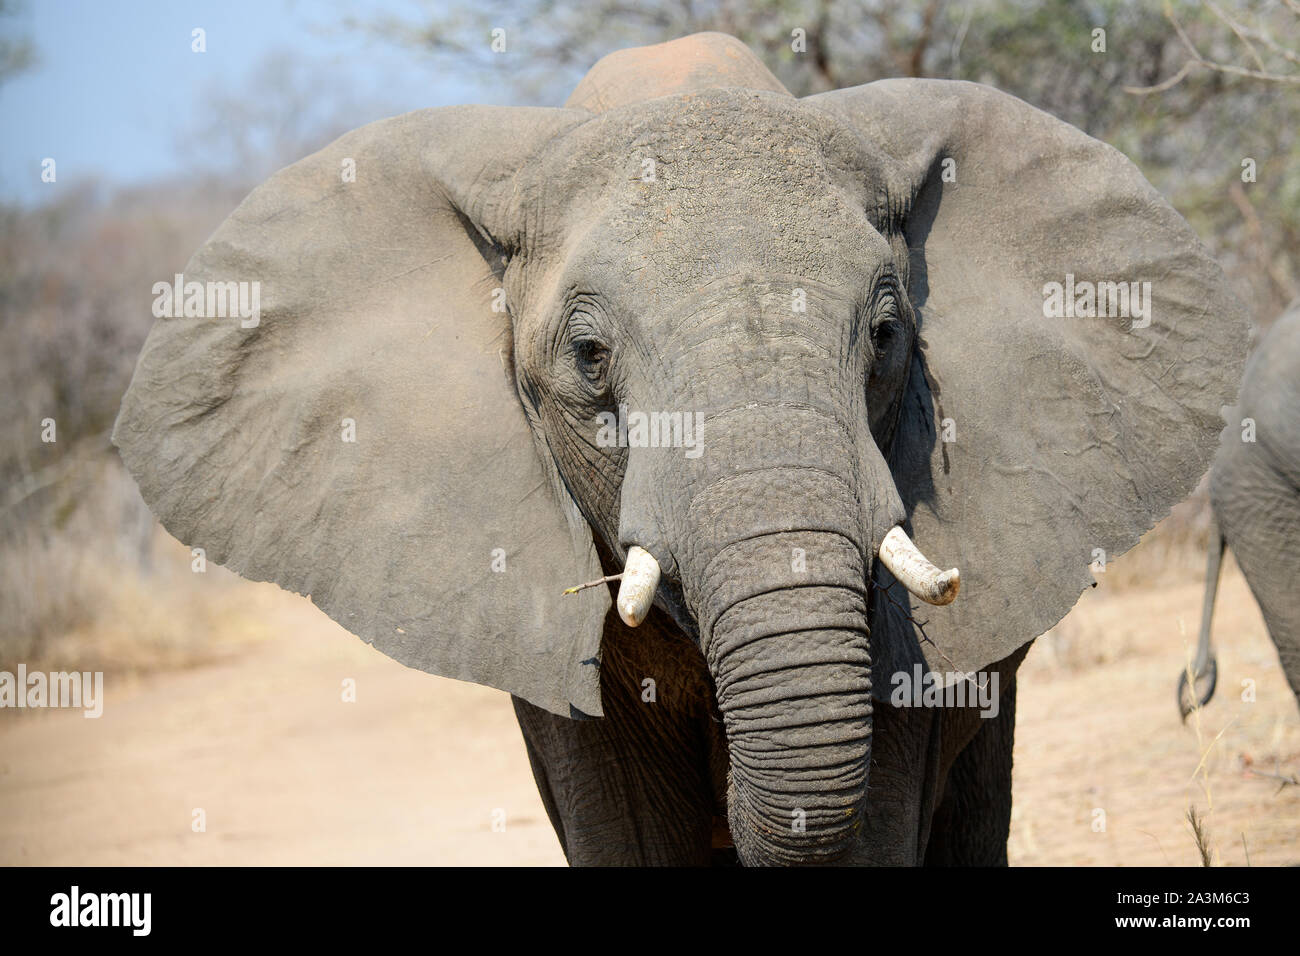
(1045, 425)
(359, 438)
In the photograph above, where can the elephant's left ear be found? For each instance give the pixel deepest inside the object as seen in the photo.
(1076, 345)
(332, 408)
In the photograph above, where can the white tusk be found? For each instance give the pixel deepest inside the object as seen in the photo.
(914, 571)
(637, 591)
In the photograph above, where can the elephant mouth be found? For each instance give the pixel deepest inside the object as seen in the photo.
(767, 692)
(640, 581)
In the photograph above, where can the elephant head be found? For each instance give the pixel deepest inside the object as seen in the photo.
(432, 427)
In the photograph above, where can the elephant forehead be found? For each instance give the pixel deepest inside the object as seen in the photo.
(676, 243)
(691, 188)
(718, 141)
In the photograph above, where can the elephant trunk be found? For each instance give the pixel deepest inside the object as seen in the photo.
(787, 644)
(769, 536)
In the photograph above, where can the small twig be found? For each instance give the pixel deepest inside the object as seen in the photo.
(1252, 74)
(1182, 34)
(1246, 34)
(592, 584)
(1198, 61)
(1206, 752)
(919, 625)
(1291, 781)
(1239, 31)
(1170, 83)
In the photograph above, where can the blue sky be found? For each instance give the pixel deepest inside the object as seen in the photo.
(117, 85)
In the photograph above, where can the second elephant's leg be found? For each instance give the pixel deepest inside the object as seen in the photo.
(1260, 517)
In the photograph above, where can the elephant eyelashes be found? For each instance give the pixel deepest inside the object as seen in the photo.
(884, 323)
(592, 359)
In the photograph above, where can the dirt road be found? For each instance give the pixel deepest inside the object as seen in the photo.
(420, 770)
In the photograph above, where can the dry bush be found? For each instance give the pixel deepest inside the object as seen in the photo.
(102, 587)
(81, 583)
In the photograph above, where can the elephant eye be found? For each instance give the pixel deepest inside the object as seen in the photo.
(885, 322)
(592, 359)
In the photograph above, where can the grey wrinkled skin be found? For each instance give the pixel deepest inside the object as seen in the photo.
(1255, 495)
(847, 290)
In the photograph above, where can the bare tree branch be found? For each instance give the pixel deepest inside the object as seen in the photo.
(1237, 29)
(1243, 33)
(1187, 68)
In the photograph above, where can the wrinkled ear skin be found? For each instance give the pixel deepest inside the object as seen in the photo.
(1070, 436)
(440, 535)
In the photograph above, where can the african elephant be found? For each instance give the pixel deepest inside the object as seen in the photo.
(1255, 497)
(739, 345)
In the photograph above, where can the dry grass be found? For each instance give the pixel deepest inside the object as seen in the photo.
(1197, 823)
(84, 581)
(1098, 734)
(102, 587)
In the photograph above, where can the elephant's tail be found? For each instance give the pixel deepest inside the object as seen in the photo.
(1204, 670)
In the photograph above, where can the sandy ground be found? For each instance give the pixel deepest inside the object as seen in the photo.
(1099, 743)
(421, 770)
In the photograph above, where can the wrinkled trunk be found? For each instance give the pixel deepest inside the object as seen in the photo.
(788, 650)
(776, 580)
(769, 534)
